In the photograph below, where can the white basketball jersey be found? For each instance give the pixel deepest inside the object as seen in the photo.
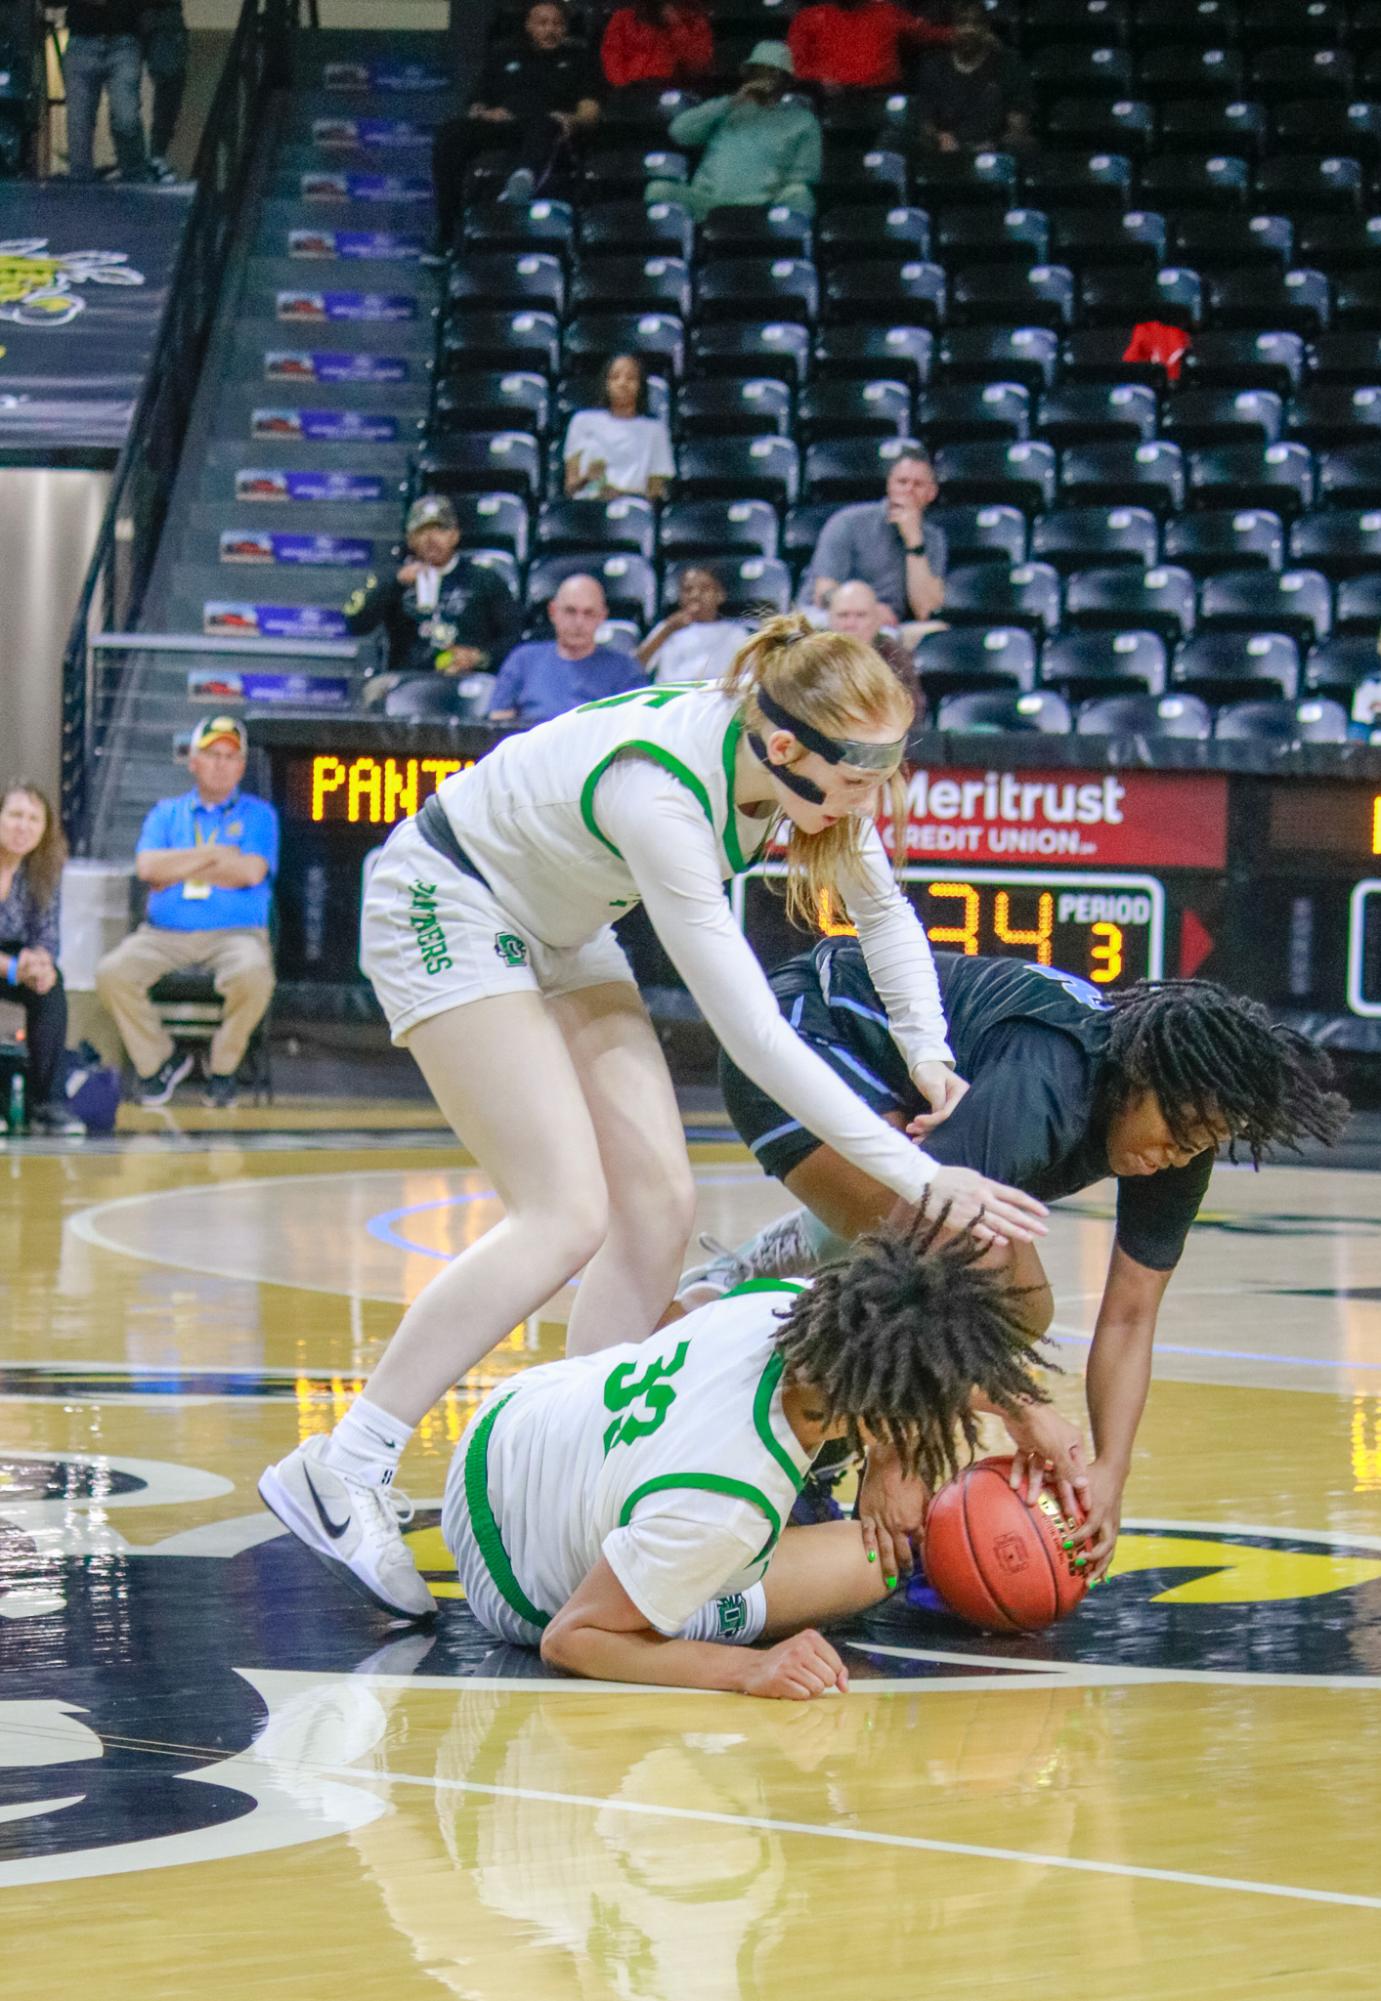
(671, 1457)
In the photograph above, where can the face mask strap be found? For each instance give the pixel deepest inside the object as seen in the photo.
(858, 756)
(804, 788)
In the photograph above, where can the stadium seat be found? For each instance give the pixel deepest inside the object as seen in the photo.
(1279, 477)
(1322, 125)
(1148, 716)
(1009, 475)
(878, 175)
(976, 660)
(1098, 354)
(753, 585)
(1197, 417)
(1277, 75)
(1221, 666)
(520, 227)
(718, 527)
(1351, 477)
(1093, 180)
(981, 534)
(492, 400)
(1170, 68)
(1078, 538)
(493, 279)
(1357, 301)
(1298, 300)
(1346, 246)
(486, 520)
(636, 284)
(1245, 359)
(756, 232)
(730, 406)
(781, 348)
(1160, 599)
(944, 180)
(866, 231)
(1018, 236)
(480, 340)
(630, 583)
(1313, 720)
(910, 294)
(658, 337)
(1296, 184)
(1118, 297)
(620, 173)
(846, 469)
(1124, 475)
(636, 229)
(1297, 602)
(1225, 538)
(1001, 294)
(872, 116)
(1339, 667)
(625, 523)
(1206, 125)
(1217, 240)
(1040, 712)
(1341, 542)
(1353, 357)
(1082, 665)
(903, 353)
(424, 697)
(753, 288)
(1099, 72)
(1025, 354)
(1316, 24)
(1027, 595)
(766, 468)
(956, 413)
(1091, 413)
(853, 409)
(1094, 23)
(1328, 414)
(488, 462)
(1084, 237)
(1357, 608)
(1181, 180)
(801, 530)
(1126, 124)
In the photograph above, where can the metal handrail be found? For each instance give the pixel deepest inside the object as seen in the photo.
(127, 542)
(243, 649)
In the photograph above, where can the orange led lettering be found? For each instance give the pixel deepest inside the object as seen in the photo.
(364, 802)
(964, 935)
(1376, 825)
(1040, 937)
(400, 788)
(437, 768)
(328, 775)
(1105, 958)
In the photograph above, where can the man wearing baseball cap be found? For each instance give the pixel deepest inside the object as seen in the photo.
(440, 612)
(208, 858)
(759, 149)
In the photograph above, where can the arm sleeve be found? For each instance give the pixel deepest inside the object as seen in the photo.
(807, 157)
(261, 834)
(367, 607)
(47, 930)
(833, 551)
(694, 127)
(508, 682)
(154, 832)
(614, 52)
(669, 849)
(1155, 1211)
(898, 956)
(661, 464)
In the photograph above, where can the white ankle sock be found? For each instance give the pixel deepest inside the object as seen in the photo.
(367, 1443)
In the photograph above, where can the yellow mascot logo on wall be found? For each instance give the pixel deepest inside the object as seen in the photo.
(37, 285)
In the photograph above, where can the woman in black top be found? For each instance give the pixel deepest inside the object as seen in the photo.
(32, 852)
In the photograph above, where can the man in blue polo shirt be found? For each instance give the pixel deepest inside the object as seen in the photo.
(546, 677)
(209, 859)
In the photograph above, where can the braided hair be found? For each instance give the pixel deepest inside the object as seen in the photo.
(1212, 1057)
(897, 1339)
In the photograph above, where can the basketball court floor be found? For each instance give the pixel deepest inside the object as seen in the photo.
(223, 1775)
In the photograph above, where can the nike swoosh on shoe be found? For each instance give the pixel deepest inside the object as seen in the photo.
(333, 1529)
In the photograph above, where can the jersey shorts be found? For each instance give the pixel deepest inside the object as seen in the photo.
(433, 937)
(850, 1033)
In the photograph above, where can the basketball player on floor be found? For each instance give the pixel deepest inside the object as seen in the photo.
(624, 1511)
(1069, 1084)
(487, 935)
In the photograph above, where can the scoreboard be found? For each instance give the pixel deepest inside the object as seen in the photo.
(1254, 866)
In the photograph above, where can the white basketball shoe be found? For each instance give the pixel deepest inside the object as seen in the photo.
(351, 1525)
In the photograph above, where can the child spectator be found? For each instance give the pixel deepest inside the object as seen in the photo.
(694, 643)
(32, 852)
(657, 41)
(618, 448)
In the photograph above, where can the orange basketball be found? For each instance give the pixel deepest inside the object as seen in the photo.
(997, 1560)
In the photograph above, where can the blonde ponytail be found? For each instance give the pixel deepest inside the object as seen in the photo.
(834, 683)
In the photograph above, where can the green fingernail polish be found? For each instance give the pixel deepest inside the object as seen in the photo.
(872, 1556)
(890, 1582)
(1079, 1562)
(1066, 1545)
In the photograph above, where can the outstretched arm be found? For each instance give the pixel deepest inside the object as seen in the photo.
(1117, 1380)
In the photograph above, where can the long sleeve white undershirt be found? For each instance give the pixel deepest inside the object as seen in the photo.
(669, 849)
(898, 956)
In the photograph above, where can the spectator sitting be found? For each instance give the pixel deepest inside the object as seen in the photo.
(440, 612)
(657, 41)
(975, 93)
(619, 448)
(209, 859)
(858, 43)
(32, 852)
(546, 677)
(103, 53)
(885, 543)
(532, 96)
(758, 150)
(854, 608)
(694, 643)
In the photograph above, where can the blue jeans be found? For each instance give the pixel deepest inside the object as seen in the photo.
(94, 63)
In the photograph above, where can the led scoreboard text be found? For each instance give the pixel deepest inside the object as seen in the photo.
(365, 791)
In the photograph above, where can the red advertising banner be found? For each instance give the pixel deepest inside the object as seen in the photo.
(1070, 819)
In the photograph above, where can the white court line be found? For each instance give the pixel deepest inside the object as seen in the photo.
(1089, 1674)
(864, 1836)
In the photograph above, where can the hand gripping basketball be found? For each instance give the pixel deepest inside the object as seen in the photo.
(1001, 1561)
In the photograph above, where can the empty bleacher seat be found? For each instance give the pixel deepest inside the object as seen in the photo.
(738, 347)
(899, 233)
(1116, 662)
(1339, 667)
(1148, 716)
(987, 534)
(854, 408)
(1160, 599)
(976, 659)
(1357, 608)
(1124, 475)
(1195, 417)
(904, 352)
(719, 527)
(493, 400)
(487, 279)
(1221, 666)
(1041, 712)
(625, 523)
(1279, 477)
(520, 227)
(1088, 413)
(1225, 538)
(1026, 354)
(1020, 475)
(753, 288)
(751, 406)
(476, 338)
(1297, 602)
(849, 469)
(1026, 595)
(766, 468)
(1351, 476)
(1312, 720)
(777, 231)
(632, 284)
(954, 413)
(1078, 538)
(658, 337)
(1242, 358)
(488, 462)
(1038, 295)
(909, 294)
(1341, 542)
(634, 228)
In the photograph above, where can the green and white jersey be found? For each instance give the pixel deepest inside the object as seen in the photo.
(528, 813)
(671, 1458)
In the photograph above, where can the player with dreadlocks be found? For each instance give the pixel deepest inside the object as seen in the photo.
(1069, 1084)
(624, 1510)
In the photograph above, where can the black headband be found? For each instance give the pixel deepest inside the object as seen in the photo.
(834, 750)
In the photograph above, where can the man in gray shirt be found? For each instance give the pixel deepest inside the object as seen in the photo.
(885, 543)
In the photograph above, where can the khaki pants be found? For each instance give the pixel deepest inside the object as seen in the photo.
(239, 963)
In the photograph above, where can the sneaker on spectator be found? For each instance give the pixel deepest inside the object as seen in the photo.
(519, 186)
(221, 1094)
(157, 1090)
(56, 1122)
(166, 175)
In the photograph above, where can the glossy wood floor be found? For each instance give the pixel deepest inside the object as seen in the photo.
(222, 1776)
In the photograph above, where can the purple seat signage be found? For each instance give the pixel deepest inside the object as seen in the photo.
(348, 135)
(298, 691)
(291, 365)
(256, 483)
(357, 245)
(220, 619)
(331, 426)
(319, 186)
(348, 552)
(308, 308)
(410, 77)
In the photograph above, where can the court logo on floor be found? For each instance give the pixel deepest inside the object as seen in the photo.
(36, 284)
